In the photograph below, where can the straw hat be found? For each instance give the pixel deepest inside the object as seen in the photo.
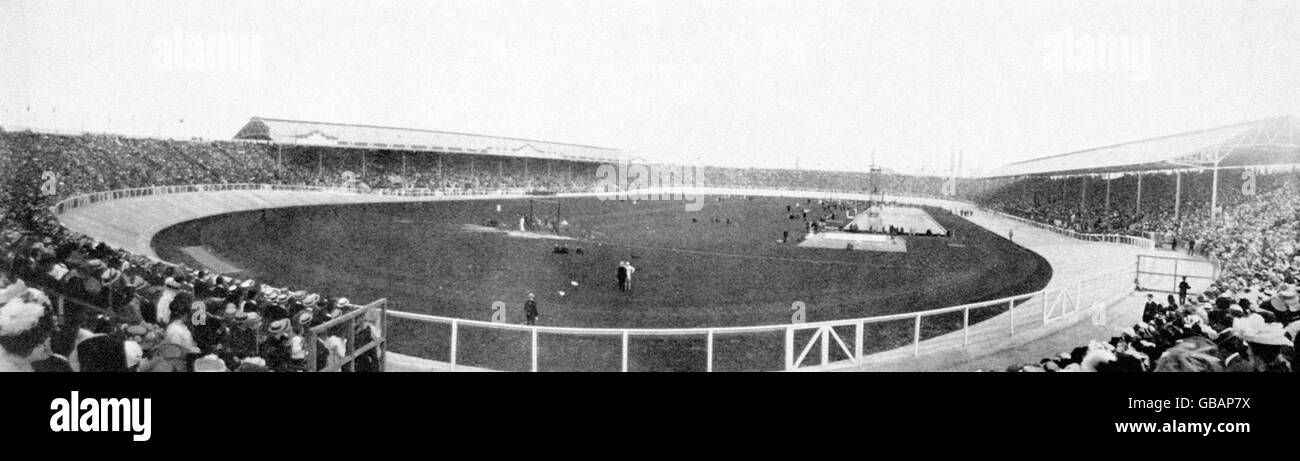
(210, 364)
(1286, 300)
(1253, 329)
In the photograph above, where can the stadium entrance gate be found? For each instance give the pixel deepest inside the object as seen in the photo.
(1164, 273)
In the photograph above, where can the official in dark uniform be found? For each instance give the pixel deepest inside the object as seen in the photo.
(530, 310)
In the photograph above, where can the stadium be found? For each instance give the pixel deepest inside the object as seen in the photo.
(255, 245)
(648, 187)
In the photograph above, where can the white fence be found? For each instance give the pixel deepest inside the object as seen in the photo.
(836, 343)
(1144, 243)
(481, 344)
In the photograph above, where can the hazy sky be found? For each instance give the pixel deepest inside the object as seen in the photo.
(748, 82)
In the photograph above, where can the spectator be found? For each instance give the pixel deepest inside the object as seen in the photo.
(530, 310)
(1264, 343)
(1190, 355)
(101, 353)
(25, 327)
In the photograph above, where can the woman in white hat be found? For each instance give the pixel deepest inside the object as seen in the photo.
(1264, 341)
(171, 287)
(25, 327)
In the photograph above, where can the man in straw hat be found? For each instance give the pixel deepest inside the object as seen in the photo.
(1264, 341)
(1284, 305)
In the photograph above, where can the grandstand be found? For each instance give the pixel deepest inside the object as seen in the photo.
(1251, 243)
(280, 131)
(1272, 141)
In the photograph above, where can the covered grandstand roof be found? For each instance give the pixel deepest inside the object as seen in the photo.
(391, 138)
(1262, 142)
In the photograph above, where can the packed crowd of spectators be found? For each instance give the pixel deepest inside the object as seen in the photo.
(861, 182)
(1248, 331)
(385, 169)
(1254, 238)
(1071, 204)
(122, 312)
(93, 163)
(1249, 317)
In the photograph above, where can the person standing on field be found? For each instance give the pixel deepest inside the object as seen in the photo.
(530, 310)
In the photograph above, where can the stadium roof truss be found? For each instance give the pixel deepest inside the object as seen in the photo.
(1269, 141)
(299, 132)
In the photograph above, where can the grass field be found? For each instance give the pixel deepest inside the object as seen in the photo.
(423, 258)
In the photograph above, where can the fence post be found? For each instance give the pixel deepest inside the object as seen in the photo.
(709, 354)
(965, 326)
(789, 348)
(1137, 273)
(857, 342)
(352, 344)
(454, 326)
(916, 337)
(534, 349)
(624, 353)
(826, 345)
